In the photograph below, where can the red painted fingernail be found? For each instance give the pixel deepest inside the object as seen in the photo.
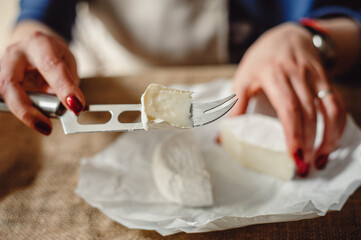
(298, 156)
(43, 128)
(74, 104)
(302, 167)
(218, 139)
(321, 161)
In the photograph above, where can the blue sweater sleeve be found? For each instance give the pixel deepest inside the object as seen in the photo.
(59, 15)
(347, 8)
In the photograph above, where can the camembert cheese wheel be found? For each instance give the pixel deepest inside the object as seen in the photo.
(258, 143)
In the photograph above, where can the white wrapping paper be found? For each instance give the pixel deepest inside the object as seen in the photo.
(119, 181)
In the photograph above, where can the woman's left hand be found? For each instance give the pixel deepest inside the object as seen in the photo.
(284, 64)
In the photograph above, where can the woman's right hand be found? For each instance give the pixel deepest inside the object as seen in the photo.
(40, 62)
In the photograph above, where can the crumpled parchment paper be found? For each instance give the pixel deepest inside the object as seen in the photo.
(119, 180)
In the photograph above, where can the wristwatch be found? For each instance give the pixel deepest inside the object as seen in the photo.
(321, 40)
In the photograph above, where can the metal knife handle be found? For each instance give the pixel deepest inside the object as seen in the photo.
(48, 104)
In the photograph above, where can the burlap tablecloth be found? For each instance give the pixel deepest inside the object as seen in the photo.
(38, 174)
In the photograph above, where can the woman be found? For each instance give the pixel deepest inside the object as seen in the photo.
(289, 59)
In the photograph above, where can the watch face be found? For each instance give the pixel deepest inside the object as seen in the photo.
(317, 41)
(322, 42)
(325, 47)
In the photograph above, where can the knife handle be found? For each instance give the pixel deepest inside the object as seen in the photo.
(50, 105)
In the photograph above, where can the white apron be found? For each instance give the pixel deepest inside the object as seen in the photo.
(113, 37)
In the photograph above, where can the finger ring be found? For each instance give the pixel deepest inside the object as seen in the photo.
(323, 93)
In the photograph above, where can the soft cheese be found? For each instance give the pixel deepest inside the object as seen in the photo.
(180, 172)
(257, 142)
(164, 107)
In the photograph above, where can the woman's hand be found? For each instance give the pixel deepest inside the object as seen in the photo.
(40, 62)
(284, 64)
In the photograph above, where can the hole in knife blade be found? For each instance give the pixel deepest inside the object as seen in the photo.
(86, 117)
(128, 116)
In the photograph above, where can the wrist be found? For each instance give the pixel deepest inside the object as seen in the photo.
(321, 40)
(27, 27)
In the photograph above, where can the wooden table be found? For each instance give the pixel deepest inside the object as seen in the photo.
(38, 174)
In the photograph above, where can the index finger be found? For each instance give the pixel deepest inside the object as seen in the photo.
(44, 54)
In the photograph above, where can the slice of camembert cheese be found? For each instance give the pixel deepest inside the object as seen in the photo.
(164, 107)
(258, 143)
(180, 172)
